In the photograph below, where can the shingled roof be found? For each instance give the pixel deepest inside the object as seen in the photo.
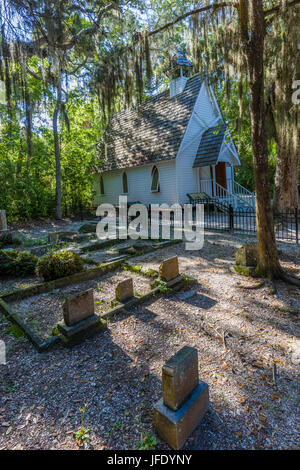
(210, 146)
(151, 132)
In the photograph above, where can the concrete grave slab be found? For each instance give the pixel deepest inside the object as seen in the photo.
(185, 398)
(175, 427)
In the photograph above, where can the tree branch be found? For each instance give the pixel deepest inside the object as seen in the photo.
(90, 29)
(213, 6)
(34, 75)
(293, 3)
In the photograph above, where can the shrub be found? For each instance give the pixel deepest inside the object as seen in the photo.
(59, 264)
(14, 262)
(9, 238)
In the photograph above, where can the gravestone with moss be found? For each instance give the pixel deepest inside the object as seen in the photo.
(184, 401)
(246, 259)
(169, 271)
(124, 290)
(80, 320)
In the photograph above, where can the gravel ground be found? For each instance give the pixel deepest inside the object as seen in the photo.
(10, 284)
(240, 333)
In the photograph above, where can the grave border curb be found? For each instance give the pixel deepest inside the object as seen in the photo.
(43, 287)
(19, 294)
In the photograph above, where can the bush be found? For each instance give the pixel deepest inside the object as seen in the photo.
(14, 262)
(9, 238)
(59, 264)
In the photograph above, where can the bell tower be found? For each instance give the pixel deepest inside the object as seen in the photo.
(179, 71)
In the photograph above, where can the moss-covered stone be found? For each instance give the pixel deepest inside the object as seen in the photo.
(151, 273)
(161, 285)
(129, 267)
(247, 255)
(244, 270)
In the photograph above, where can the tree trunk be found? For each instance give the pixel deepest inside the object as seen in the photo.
(286, 179)
(28, 129)
(253, 48)
(287, 118)
(8, 94)
(57, 149)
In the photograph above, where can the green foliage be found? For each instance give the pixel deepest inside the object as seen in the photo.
(114, 303)
(148, 442)
(14, 262)
(83, 434)
(35, 241)
(9, 238)
(98, 78)
(151, 272)
(161, 285)
(129, 267)
(15, 330)
(29, 192)
(59, 264)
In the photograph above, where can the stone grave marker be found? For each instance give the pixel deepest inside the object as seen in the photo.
(124, 290)
(78, 307)
(246, 259)
(80, 320)
(3, 223)
(169, 271)
(247, 255)
(185, 398)
(180, 377)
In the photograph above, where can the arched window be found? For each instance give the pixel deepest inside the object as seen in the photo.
(125, 182)
(155, 180)
(101, 185)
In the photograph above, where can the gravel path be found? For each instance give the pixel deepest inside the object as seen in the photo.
(240, 334)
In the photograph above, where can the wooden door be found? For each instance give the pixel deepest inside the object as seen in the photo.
(221, 174)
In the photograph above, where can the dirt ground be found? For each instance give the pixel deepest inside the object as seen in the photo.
(242, 336)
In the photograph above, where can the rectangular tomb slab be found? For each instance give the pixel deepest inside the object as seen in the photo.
(169, 268)
(79, 307)
(75, 334)
(179, 377)
(61, 236)
(175, 427)
(124, 290)
(81, 325)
